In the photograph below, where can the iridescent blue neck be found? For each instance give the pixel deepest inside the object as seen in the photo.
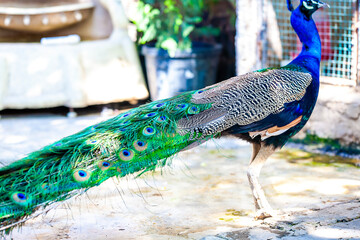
(311, 51)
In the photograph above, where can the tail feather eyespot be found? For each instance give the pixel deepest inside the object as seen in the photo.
(92, 141)
(127, 114)
(149, 131)
(104, 165)
(193, 110)
(181, 106)
(161, 119)
(124, 123)
(81, 175)
(149, 115)
(126, 154)
(140, 145)
(21, 198)
(159, 105)
(45, 188)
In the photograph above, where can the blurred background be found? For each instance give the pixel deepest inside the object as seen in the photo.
(86, 56)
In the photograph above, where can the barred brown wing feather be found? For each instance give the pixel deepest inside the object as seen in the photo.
(245, 99)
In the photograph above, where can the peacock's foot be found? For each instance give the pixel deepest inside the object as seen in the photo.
(261, 214)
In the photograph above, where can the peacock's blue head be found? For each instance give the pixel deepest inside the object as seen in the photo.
(307, 7)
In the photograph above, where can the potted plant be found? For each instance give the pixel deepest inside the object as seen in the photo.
(175, 62)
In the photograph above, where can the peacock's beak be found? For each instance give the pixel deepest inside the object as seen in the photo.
(322, 4)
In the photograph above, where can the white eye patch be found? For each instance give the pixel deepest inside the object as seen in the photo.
(307, 6)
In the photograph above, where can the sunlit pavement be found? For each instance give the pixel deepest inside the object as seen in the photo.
(203, 194)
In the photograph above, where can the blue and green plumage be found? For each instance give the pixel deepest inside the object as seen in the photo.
(265, 107)
(137, 140)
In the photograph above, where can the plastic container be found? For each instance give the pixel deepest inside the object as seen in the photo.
(187, 70)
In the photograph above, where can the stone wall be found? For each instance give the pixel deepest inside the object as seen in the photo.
(337, 114)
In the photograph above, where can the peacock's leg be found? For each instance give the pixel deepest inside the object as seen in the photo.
(260, 154)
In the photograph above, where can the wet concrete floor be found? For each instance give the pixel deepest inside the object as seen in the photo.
(204, 194)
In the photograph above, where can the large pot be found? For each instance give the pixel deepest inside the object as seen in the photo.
(187, 70)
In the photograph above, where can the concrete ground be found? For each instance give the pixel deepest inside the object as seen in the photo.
(203, 195)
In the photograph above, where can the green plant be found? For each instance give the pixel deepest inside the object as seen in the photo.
(172, 22)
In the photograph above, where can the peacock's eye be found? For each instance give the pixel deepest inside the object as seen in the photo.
(309, 4)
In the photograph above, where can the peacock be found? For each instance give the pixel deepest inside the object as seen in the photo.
(264, 107)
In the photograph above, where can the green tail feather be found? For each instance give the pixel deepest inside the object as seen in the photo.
(138, 140)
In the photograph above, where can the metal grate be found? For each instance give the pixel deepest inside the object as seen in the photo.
(336, 33)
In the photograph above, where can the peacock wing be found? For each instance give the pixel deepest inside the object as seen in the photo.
(247, 100)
